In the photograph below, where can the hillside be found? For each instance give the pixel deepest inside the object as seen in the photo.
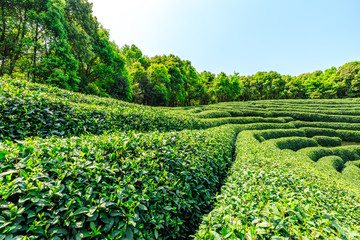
(76, 166)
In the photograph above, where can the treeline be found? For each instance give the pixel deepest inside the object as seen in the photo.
(170, 81)
(61, 43)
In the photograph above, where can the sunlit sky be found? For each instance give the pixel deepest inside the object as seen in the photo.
(244, 36)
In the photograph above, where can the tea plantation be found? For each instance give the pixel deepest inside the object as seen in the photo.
(75, 166)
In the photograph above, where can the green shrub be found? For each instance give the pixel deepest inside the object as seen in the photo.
(315, 153)
(235, 113)
(137, 186)
(262, 126)
(347, 153)
(213, 122)
(331, 162)
(277, 133)
(140, 180)
(311, 132)
(273, 194)
(349, 135)
(213, 114)
(25, 113)
(293, 143)
(195, 110)
(326, 141)
(332, 125)
(355, 163)
(352, 173)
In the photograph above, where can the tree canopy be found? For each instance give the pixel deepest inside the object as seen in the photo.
(60, 42)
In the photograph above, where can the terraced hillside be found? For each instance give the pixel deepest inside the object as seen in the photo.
(82, 167)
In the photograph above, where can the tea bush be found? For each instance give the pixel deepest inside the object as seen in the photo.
(331, 125)
(141, 186)
(272, 194)
(348, 135)
(312, 132)
(277, 133)
(326, 141)
(76, 166)
(213, 114)
(331, 162)
(25, 112)
(347, 153)
(293, 143)
(352, 173)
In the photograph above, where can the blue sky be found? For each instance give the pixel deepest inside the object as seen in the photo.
(287, 36)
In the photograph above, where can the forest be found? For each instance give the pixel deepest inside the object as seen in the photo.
(61, 43)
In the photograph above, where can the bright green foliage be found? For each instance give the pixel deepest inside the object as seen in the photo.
(226, 89)
(135, 185)
(26, 112)
(213, 114)
(277, 133)
(347, 135)
(352, 173)
(158, 80)
(326, 141)
(293, 143)
(107, 169)
(347, 153)
(313, 131)
(270, 193)
(331, 162)
(60, 43)
(240, 120)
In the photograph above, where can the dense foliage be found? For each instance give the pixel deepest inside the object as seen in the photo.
(25, 111)
(75, 166)
(273, 194)
(60, 42)
(138, 186)
(178, 84)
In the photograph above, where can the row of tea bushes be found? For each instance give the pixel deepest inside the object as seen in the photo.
(65, 94)
(214, 122)
(297, 115)
(274, 194)
(326, 141)
(333, 163)
(344, 111)
(324, 136)
(293, 143)
(330, 163)
(124, 185)
(335, 166)
(347, 153)
(213, 114)
(267, 134)
(283, 134)
(25, 113)
(331, 125)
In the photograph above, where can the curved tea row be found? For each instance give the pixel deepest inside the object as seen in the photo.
(82, 167)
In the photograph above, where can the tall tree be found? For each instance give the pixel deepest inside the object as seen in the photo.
(158, 94)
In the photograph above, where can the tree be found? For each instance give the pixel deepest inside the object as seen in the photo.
(349, 77)
(157, 94)
(207, 81)
(222, 88)
(140, 83)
